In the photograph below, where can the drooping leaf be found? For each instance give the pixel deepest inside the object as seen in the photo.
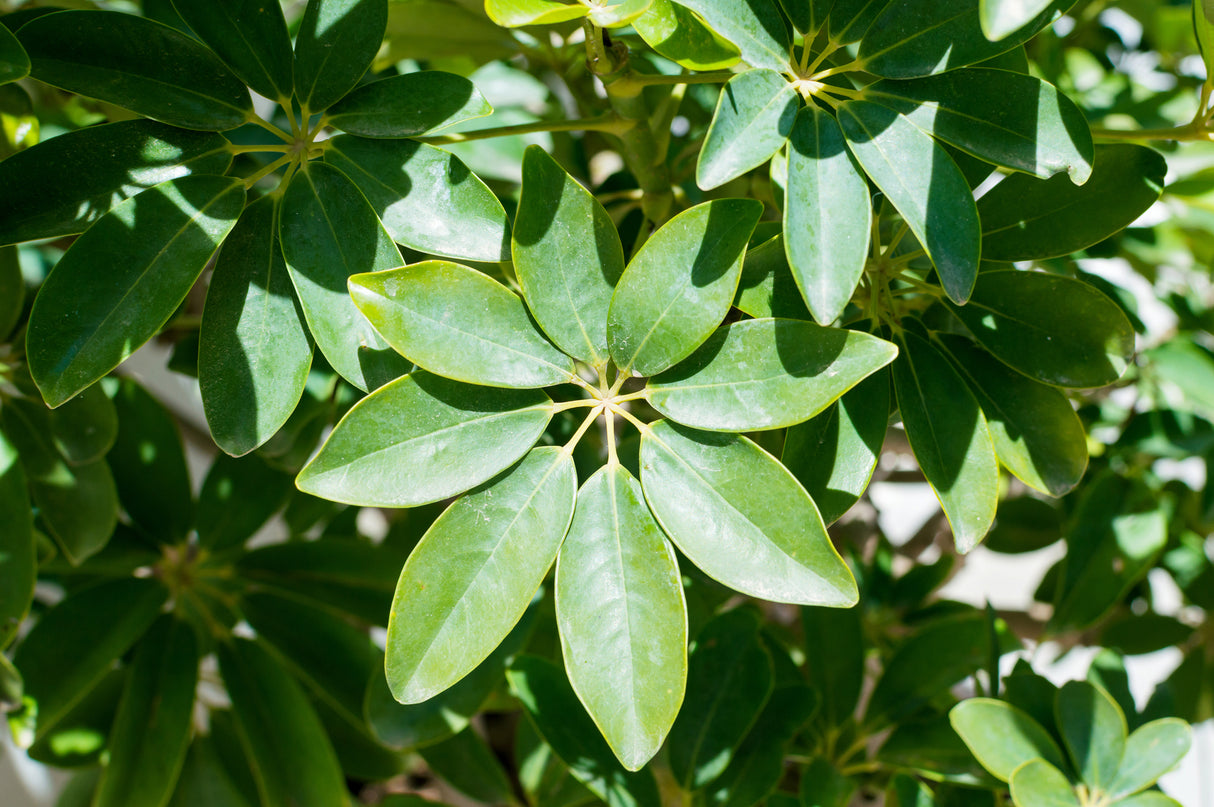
(678, 34)
(568, 257)
(250, 36)
(1093, 730)
(461, 324)
(1010, 119)
(1151, 751)
(470, 579)
(753, 119)
(423, 438)
(329, 232)
(336, 42)
(14, 62)
(426, 197)
(1025, 218)
(754, 26)
(137, 64)
(949, 437)
(76, 188)
(827, 215)
(149, 249)
(1052, 328)
(18, 562)
(409, 104)
(622, 618)
(924, 184)
(1001, 736)
(517, 13)
(679, 286)
(1000, 18)
(254, 350)
(741, 517)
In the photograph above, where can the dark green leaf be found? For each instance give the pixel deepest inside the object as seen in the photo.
(18, 564)
(138, 64)
(204, 782)
(1024, 524)
(12, 289)
(678, 34)
(408, 105)
(823, 786)
(149, 249)
(754, 26)
(849, 20)
(1134, 634)
(79, 737)
(834, 659)
(767, 287)
(78, 506)
(906, 791)
(250, 36)
(931, 748)
(84, 428)
(1002, 737)
(468, 763)
(754, 116)
(238, 497)
(14, 63)
(336, 42)
(1094, 731)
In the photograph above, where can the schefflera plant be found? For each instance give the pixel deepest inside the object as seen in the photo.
(602, 338)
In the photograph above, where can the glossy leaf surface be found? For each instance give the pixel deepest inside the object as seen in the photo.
(1150, 751)
(238, 496)
(18, 565)
(470, 579)
(1001, 736)
(702, 487)
(754, 26)
(678, 34)
(516, 13)
(999, 18)
(80, 507)
(1094, 731)
(84, 428)
(1037, 782)
(753, 118)
(14, 62)
(250, 36)
(409, 104)
(336, 42)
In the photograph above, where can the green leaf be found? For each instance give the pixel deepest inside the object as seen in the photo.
(12, 289)
(147, 745)
(14, 63)
(423, 438)
(753, 118)
(19, 127)
(754, 26)
(329, 232)
(458, 217)
(1001, 18)
(729, 681)
(834, 659)
(766, 374)
(907, 791)
(254, 350)
(460, 324)
(823, 786)
(1009, 119)
(922, 37)
(1150, 751)
(924, 184)
(834, 455)
(238, 497)
(617, 13)
(678, 34)
(928, 746)
(75, 643)
(1049, 327)
(137, 64)
(84, 428)
(79, 507)
(76, 189)
(204, 782)
(827, 215)
(849, 20)
(949, 437)
(664, 309)
(250, 36)
(1094, 731)
(434, 29)
(468, 763)
(336, 42)
(151, 248)
(767, 287)
(1152, 798)
(517, 13)
(18, 561)
(554, 710)
(567, 256)
(1025, 524)
(1025, 218)
(1186, 365)
(149, 466)
(1203, 27)
(286, 746)
(408, 105)
(1135, 634)
(622, 617)
(1002, 737)
(736, 513)
(472, 575)
(1036, 432)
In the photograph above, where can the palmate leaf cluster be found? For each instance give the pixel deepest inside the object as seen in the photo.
(596, 412)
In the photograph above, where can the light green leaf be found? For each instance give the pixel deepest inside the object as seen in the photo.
(1152, 798)
(151, 249)
(14, 63)
(423, 438)
(949, 437)
(1049, 327)
(1151, 751)
(517, 13)
(137, 64)
(736, 513)
(1186, 366)
(924, 184)
(238, 496)
(147, 745)
(18, 562)
(622, 617)
(1025, 218)
(457, 217)
(1203, 26)
(408, 105)
(472, 575)
(827, 215)
(1001, 736)
(84, 428)
(1009, 119)
(729, 680)
(435, 29)
(834, 455)
(336, 42)
(1093, 728)
(766, 374)
(1037, 434)
(678, 34)
(249, 36)
(254, 350)
(754, 26)
(664, 308)
(567, 256)
(329, 232)
(76, 189)
(1001, 18)
(460, 324)
(282, 738)
(617, 13)
(753, 118)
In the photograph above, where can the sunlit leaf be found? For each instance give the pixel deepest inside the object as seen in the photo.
(336, 42)
(409, 104)
(753, 118)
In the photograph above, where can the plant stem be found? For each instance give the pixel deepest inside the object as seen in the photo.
(651, 79)
(269, 169)
(581, 430)
(280, 148)
(850, 67)
(1188, 132)
(269, 127)
(628, 416)
(565, 406)
(609, 122)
